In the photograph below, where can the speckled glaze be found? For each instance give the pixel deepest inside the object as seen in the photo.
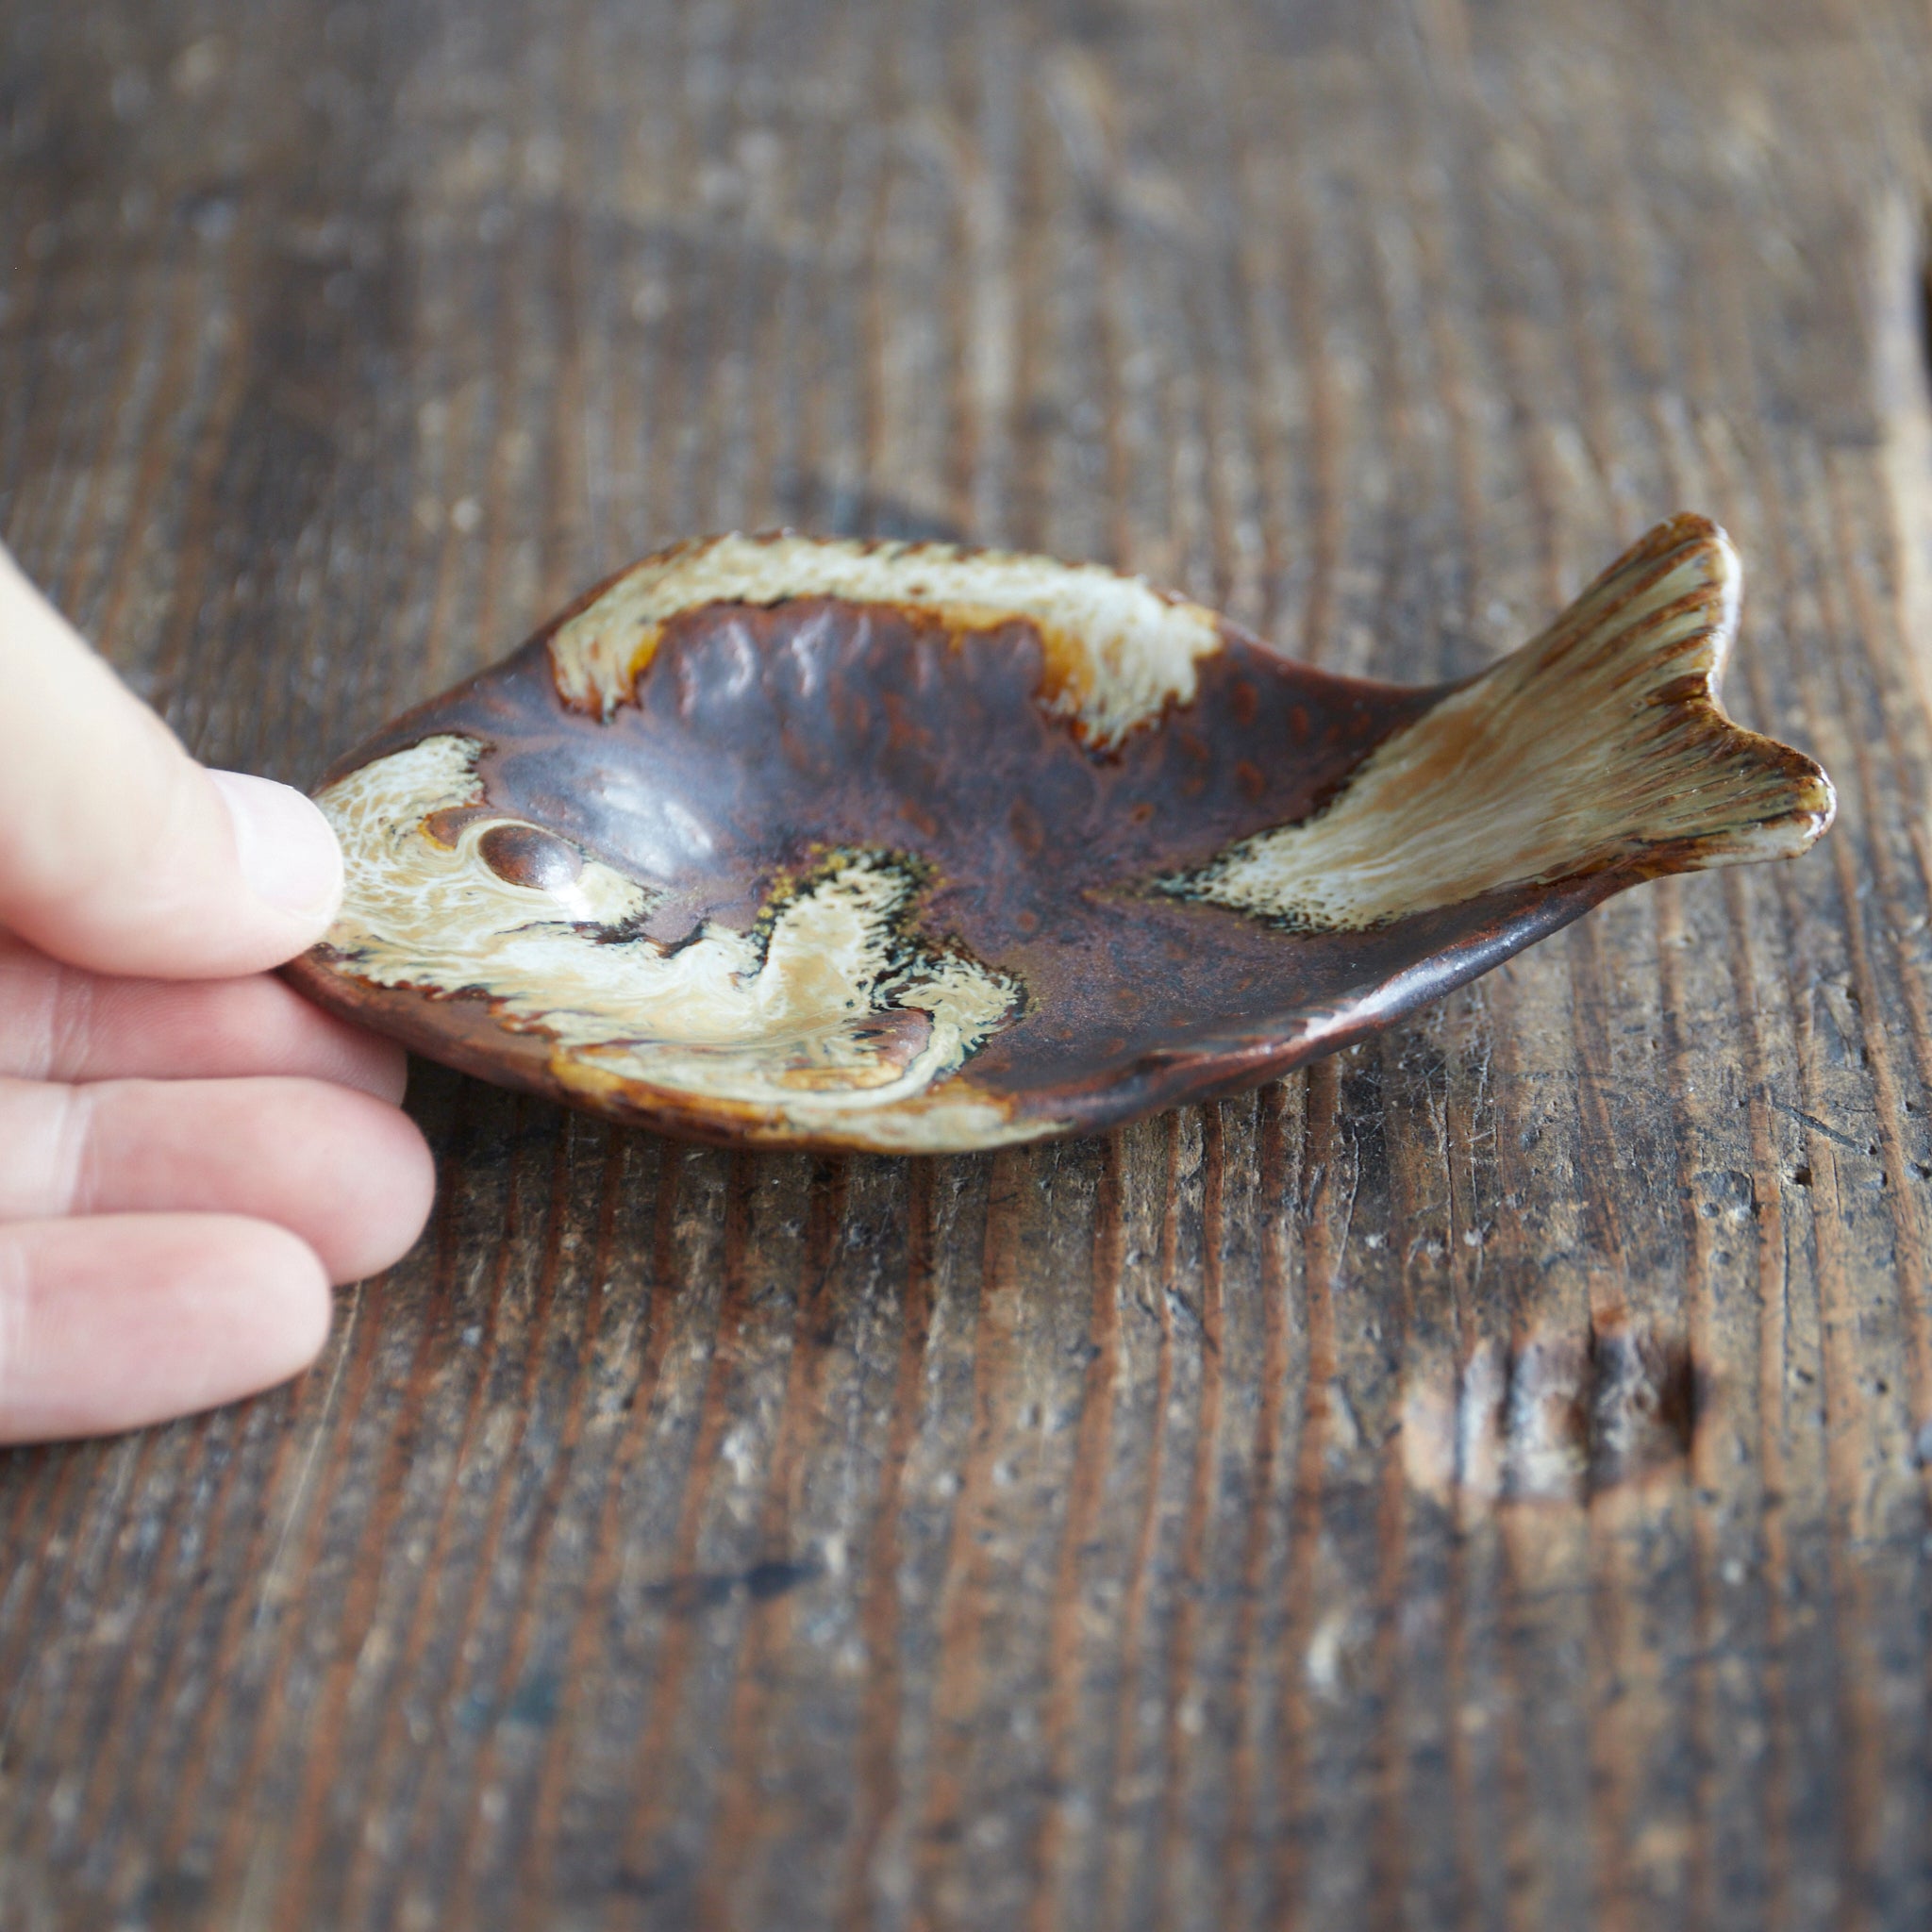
(915, 849)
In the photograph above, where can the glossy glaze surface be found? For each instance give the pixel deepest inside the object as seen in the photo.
(912, 848)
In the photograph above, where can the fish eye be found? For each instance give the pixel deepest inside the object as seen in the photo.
(529, 857)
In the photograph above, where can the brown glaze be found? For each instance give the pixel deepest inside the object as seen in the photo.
(765, 747)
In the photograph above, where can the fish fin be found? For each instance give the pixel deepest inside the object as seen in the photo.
(1600, 745)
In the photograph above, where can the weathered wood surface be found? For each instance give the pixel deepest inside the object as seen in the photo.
(1480, 1482)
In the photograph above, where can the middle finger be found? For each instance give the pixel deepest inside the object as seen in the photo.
(349, 1175)
(58, 1023)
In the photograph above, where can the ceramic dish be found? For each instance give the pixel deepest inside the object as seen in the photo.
(913, 848)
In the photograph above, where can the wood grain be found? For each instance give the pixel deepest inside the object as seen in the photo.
(1479, 1482)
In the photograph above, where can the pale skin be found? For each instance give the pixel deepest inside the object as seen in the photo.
(190, 1154)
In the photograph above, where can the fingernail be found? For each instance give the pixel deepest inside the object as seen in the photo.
(288, 852)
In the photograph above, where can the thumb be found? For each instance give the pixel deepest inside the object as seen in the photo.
(117, 851)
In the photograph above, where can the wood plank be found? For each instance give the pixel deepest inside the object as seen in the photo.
(1481, 1481)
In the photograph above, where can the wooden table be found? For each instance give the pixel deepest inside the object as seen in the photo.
(1481, 1482)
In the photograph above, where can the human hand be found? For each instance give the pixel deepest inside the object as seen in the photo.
(190, 1152)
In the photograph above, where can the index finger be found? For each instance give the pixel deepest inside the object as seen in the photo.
(117, 851)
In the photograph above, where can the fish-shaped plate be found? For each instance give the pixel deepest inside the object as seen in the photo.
(912, 848)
